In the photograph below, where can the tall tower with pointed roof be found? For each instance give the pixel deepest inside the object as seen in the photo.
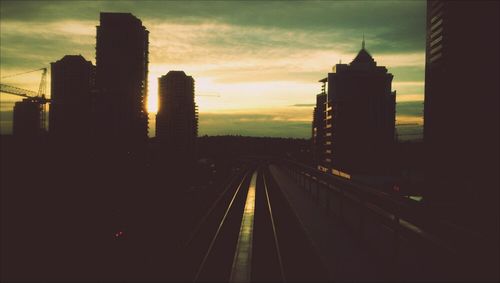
(360, 117)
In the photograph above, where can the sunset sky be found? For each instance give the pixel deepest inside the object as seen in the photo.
(256, 63)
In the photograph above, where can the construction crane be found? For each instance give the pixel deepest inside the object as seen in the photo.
(29, 95)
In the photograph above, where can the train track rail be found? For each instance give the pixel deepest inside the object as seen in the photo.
(251, 234)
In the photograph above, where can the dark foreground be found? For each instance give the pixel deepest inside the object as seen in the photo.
(77, 213)
(106, 213)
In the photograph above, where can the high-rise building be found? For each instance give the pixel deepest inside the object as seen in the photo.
(72, 81)
(121, 77)
(28, 120)
(359, 117)
(318, 126)
(177, 117)
(461, 104)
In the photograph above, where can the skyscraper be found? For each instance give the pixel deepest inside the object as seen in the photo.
(72, 81)
(177, 117)
(318, 126)
(27, 118)
(461, 104)
(121, 77)
(360, 117)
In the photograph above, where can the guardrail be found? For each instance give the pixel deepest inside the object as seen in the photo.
(396, 228)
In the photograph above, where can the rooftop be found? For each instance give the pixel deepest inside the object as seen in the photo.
(363, 58)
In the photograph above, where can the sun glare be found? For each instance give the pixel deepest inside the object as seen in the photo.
(152, 99)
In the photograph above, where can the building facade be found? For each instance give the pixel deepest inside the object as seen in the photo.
(318, 126)
(177, 117)
(121, 78)
(28, 118)
(359, 131)
(72, 82)
(461, 101)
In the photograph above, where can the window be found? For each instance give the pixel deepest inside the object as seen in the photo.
(437, 32)
(437, 40)
(436, 57)
(436, 24)
(436, 48)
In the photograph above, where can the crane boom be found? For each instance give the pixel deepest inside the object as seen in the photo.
(18, 74)
(31, 98)
(39, 96)
(23, 92)
(17, 91)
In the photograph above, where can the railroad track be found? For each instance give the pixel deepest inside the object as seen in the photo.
(251, 234)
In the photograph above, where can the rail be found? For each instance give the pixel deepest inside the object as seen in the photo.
(275, 236)
(242, 261)
(408, 222)
(221, 223)
(214, 259)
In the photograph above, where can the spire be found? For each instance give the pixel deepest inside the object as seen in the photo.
(363, 57)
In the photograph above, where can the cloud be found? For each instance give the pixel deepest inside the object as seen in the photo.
(272, 55)
(7, 112)
(28, 46)
(388, 25)
(409, 120)
(252, 125)
(408, 97)
(300, 114)
(6, 121)
(408, 83)
(8, 105)
(396, 20)
(409, 133)
(408, 90)
(410, 108)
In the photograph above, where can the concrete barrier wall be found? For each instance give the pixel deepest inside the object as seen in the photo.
(411, 254)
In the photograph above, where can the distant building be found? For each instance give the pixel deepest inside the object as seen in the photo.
(121, 78)
(359, 117)
(318, 126)
(72, 81)
(28, 122)
(462, 102)
(177, 117)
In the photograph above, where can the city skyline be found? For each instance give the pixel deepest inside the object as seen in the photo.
(255, 141)
(226, 53)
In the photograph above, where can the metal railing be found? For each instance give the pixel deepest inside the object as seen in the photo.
(406, 225)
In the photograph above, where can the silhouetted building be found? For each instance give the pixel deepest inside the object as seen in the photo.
(121, 78)
(359, 117)
(72, 81)
(318, 126)
(28, 122)
(177, 117)
(461, 104)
